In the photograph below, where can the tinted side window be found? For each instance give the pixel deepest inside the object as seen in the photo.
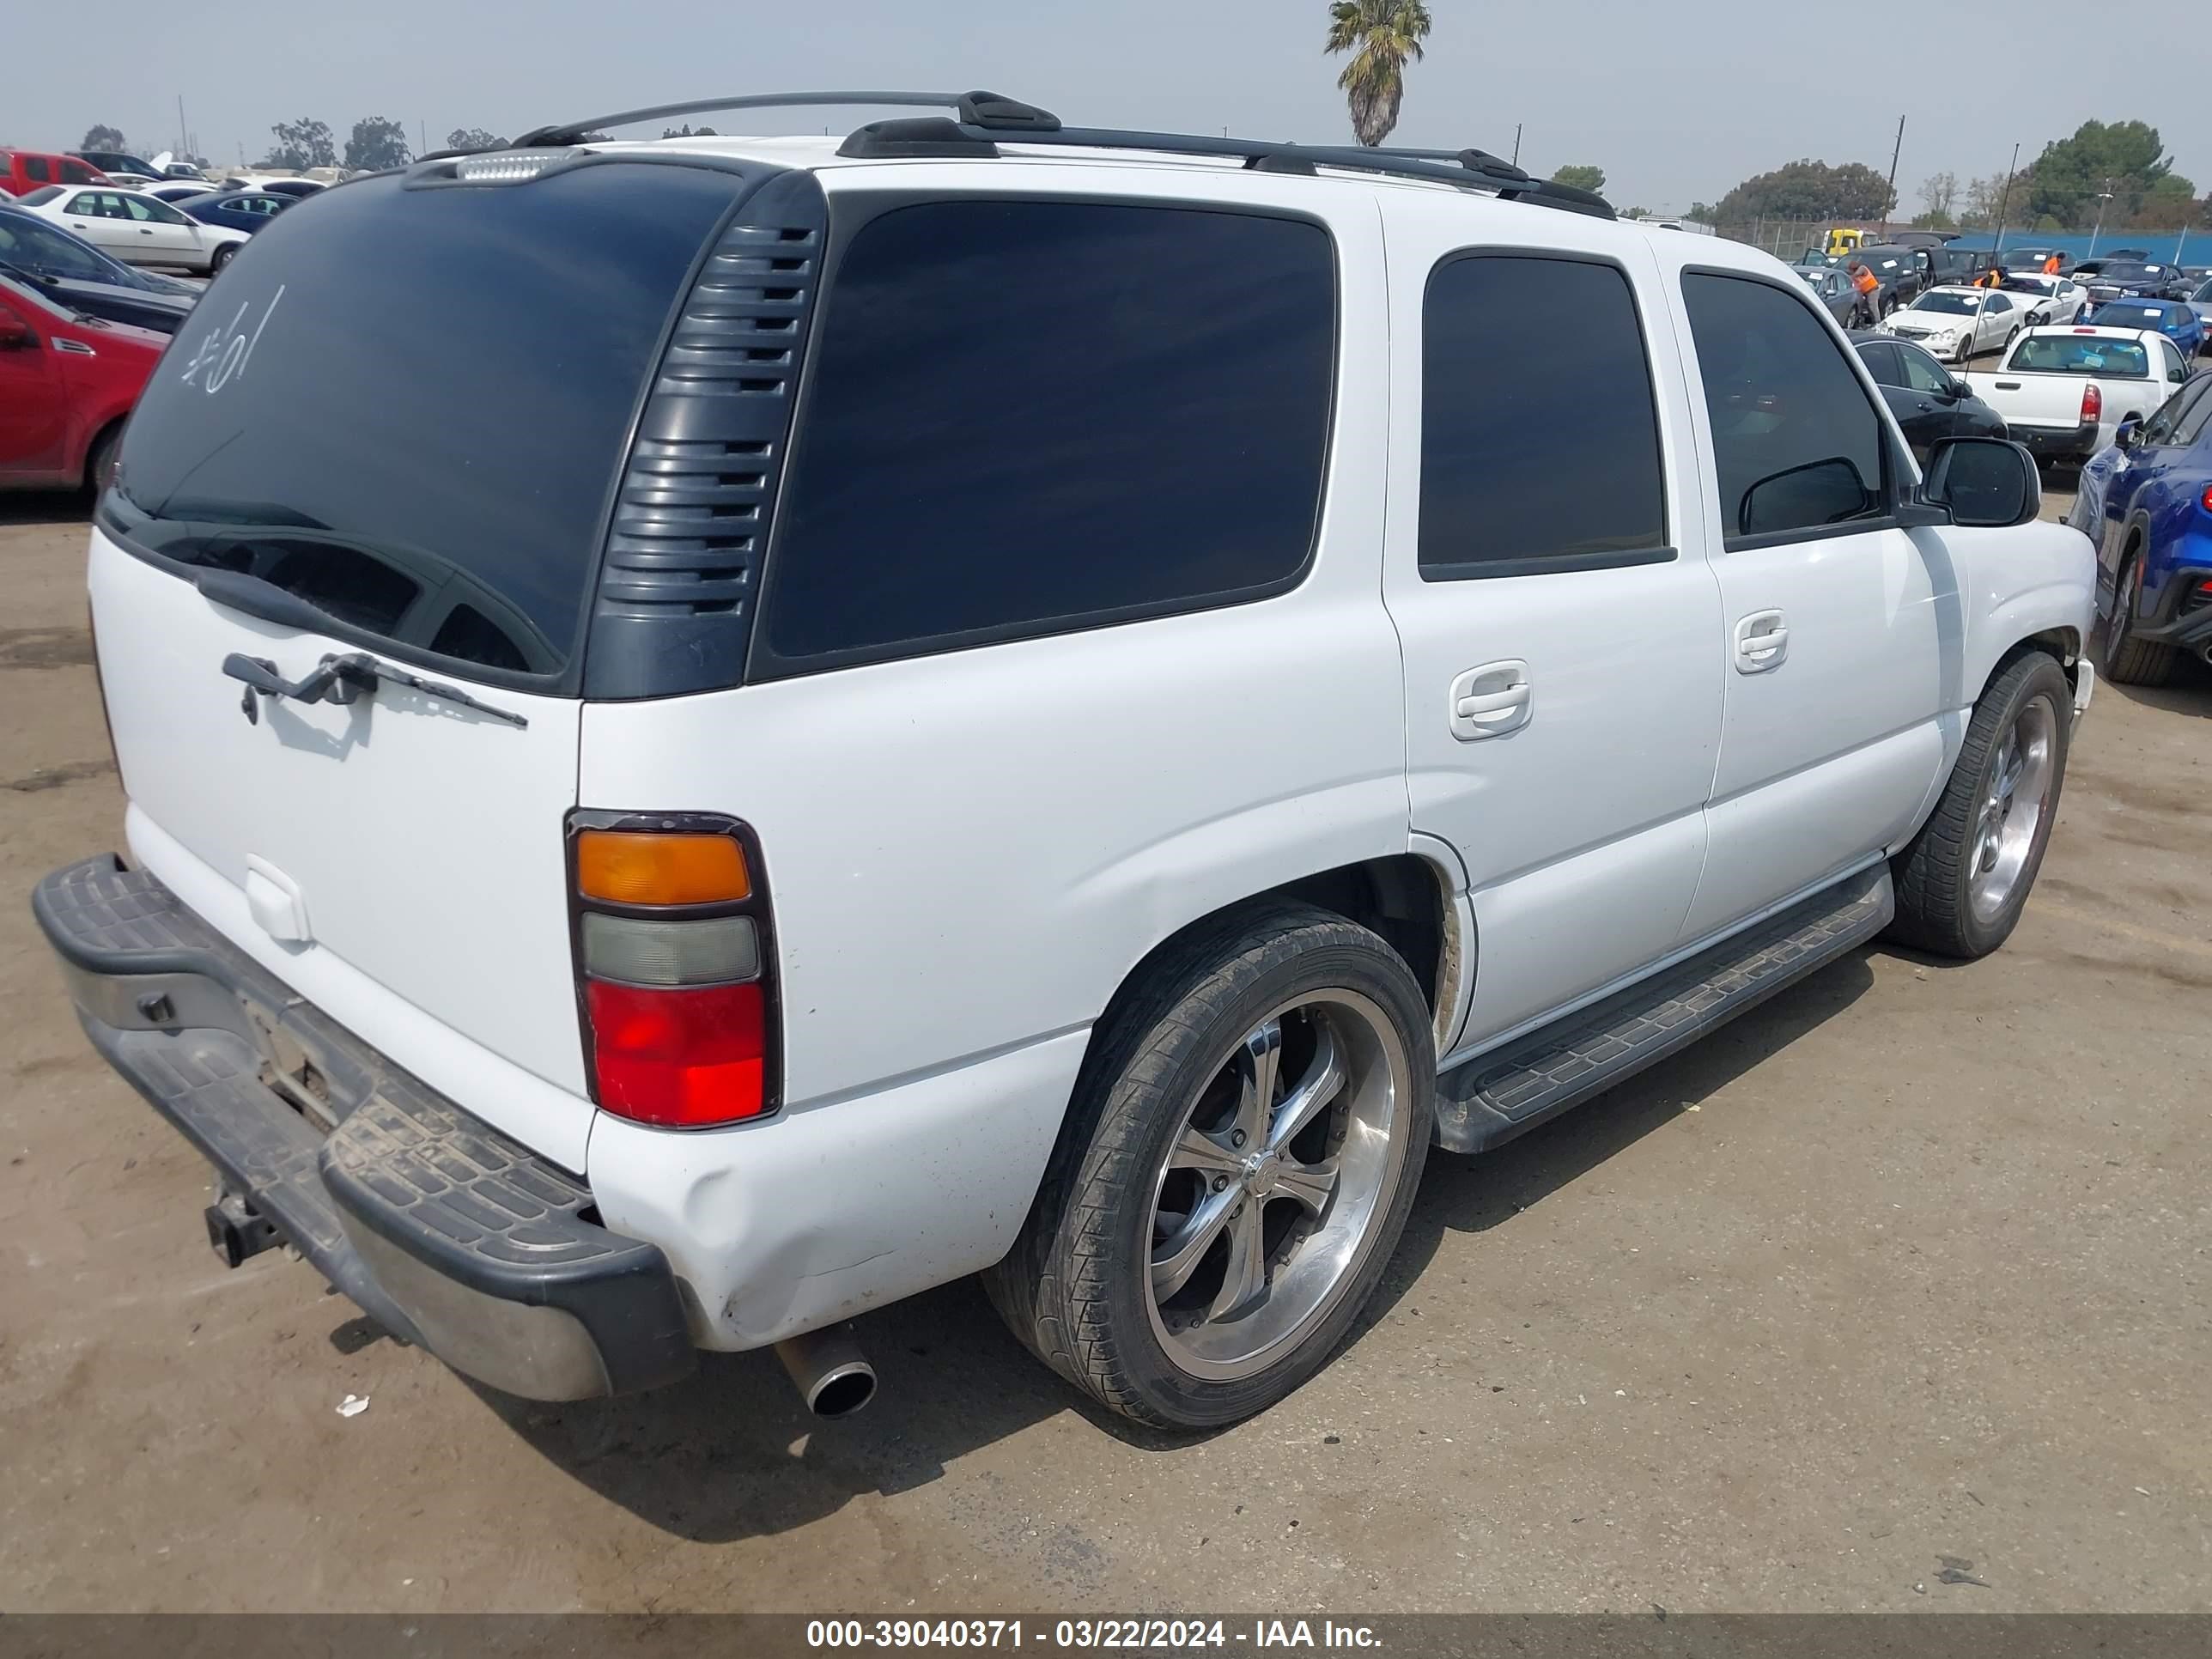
(2191, 425)
(1534, 370)
(1027, 416)
(34, 168)
(1882, 362)
(1798, 446)
(1921, 371)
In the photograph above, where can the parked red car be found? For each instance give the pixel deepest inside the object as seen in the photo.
(23, 170)
(66, 383)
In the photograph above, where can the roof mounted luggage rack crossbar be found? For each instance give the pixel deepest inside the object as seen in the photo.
(980, 109)
(981, 117)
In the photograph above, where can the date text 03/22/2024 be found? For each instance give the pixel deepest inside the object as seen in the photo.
(1138, 1635)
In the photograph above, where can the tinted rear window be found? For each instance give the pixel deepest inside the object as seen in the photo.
(2080, 354)
(409, 407)
(1027, 416)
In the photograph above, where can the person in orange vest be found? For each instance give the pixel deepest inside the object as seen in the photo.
(1867, 283)
(2051, 266)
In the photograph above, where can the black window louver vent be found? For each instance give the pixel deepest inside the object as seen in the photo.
(692, 522)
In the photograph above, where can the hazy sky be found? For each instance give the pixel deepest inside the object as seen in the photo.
(1676, 101)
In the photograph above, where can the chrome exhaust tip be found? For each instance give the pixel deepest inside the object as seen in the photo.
(828, 1368)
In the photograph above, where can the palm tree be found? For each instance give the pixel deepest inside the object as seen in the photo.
(1381, 35)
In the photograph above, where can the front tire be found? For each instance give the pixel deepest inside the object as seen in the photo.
(2127, 659)
(1237, 1164)
(220, 258)
(1964, 879)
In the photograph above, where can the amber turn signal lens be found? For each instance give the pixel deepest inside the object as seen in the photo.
(623, 867)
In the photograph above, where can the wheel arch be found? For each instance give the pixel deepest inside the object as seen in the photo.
(1415, 901)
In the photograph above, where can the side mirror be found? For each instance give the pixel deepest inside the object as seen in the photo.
(2129, 430)
(1959, 388)
(15, 335)
(1986, 483)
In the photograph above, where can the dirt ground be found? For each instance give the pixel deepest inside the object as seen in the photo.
(1908, 1270)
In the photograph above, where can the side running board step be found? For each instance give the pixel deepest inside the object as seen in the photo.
(1497, 1096)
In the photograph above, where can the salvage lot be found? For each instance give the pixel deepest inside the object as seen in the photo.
(1907, 1266)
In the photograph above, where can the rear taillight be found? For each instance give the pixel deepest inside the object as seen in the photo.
(676, 967)
(2093, 404)
(2203, 501)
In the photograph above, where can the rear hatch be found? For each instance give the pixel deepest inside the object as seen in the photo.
(394, 427)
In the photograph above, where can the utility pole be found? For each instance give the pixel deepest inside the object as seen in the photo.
(422, 137)
(2004, 201)
(1898, 150)
(1516, 143)
(2103, 197)
(2177, 241)
(184, 143)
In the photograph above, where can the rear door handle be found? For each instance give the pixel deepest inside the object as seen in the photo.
(1491, 701)
(1762, 641)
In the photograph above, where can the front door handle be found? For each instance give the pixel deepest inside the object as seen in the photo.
(1491, 701)
(1762, 641)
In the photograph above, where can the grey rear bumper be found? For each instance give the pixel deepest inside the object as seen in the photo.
(447, 1233)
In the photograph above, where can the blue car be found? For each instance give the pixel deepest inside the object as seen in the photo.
(2173, 318)
(250, 210)
(2146, 500)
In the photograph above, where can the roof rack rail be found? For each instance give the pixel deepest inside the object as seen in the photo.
(981, 117)
(986, 110)
(1474, 168)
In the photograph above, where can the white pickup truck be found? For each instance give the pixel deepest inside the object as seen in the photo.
(2064, 391)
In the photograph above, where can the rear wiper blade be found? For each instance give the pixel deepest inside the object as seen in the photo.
(343, 679)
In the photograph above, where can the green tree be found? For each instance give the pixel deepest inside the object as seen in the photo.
(300, 144)
(473, 138)
(2126, 157)
(377, 143)
(2169, 204)
(1808, 190)
(687, 131)
(1381, 35)
(1939, 195)
(104, 136)
(1581, 178)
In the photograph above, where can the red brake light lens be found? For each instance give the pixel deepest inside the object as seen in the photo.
(681, 1058)
(2093, 404)
(2205, 501)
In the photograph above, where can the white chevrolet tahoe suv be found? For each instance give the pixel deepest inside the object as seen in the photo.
(721, 731)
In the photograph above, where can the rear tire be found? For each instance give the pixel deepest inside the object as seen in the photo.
(100, 459)
(1163, 1270)
(220, 258)
(1963, 880)
(2125, 659)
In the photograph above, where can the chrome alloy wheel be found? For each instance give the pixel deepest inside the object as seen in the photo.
(2012, 809)
(1268, 1201)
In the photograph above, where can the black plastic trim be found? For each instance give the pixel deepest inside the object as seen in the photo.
(694, 501)
(915, 136)
(853, 212)
(1484, 569)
